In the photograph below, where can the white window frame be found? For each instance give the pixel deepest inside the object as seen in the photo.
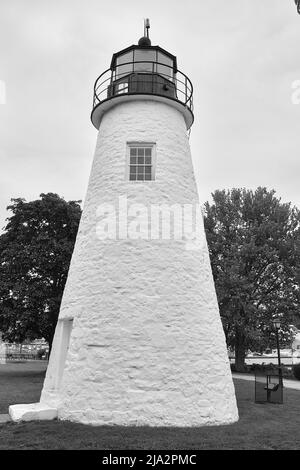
(143, 144)
(122, 87)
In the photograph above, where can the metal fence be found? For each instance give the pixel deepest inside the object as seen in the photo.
(11, 357)
(144, 77)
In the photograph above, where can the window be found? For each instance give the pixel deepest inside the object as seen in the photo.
(141, 59)
(124, 65)
(122, 88)
(141, 162)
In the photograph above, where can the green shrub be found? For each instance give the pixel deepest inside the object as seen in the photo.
(267, 368)
(41, 352)
(286, 371)
(246, 369)
(264, 367)
(296, 371)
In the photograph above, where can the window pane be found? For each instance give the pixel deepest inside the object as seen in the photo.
(166, 70)
(122, 70)
(164, 59)
(124, 58)
(122, 87)
(140, 162)
(143, 56)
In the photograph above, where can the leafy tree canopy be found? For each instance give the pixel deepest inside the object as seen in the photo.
(35, 253)
(253, 241)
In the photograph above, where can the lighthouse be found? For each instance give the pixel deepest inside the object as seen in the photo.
(139, 339)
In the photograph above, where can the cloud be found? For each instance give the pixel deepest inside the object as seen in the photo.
(241, 55)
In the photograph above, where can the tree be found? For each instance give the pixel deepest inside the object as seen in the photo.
(253, 240)
(35, 253)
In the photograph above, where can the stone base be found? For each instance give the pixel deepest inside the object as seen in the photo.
(32, 412)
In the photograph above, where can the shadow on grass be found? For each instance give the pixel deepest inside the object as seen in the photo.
(259, 427)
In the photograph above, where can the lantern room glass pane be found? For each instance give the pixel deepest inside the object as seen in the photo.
(164, 59)
(122, 70)
(167, 70)
(144, 56)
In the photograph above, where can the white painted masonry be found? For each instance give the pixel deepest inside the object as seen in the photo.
(32, 412)
(146, 345)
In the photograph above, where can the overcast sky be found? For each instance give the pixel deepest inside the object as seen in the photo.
(242, 57)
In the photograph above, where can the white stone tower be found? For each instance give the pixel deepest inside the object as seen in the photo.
(139, 340)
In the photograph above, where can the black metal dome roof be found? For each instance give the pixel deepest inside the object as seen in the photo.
(144, 42)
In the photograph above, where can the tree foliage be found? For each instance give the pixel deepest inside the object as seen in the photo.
(253, 241)
(35, 253)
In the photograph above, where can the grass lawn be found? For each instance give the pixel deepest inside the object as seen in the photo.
(20, 382)
(260, 426)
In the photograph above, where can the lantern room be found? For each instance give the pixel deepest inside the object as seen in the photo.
(143, 71)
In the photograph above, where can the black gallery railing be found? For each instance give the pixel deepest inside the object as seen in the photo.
(144, 77)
